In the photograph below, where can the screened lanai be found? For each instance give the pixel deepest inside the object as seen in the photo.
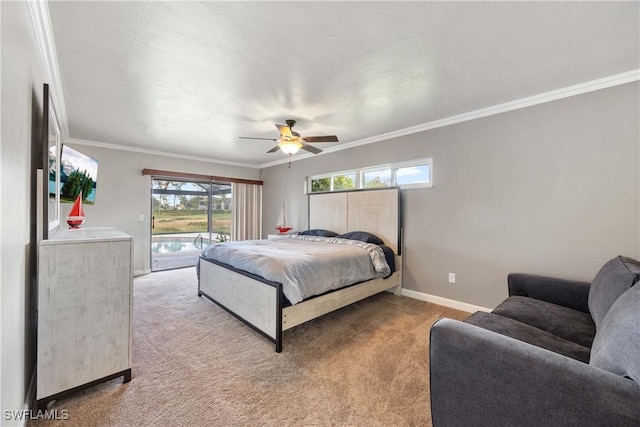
(187, 216)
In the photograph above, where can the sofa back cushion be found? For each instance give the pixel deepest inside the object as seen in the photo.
(613, 279)
(616, 346)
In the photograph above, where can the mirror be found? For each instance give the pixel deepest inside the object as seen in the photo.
(51, 159)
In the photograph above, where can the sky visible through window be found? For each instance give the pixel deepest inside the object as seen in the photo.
(412, 174)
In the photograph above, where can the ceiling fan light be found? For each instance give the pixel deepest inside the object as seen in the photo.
(289, 147)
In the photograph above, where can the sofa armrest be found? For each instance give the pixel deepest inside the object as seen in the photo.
(568, 293)
(479, 377)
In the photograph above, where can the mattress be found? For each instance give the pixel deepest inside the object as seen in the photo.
(305, 265)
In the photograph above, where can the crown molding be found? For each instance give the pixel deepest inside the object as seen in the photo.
(156, 152)
(44, 36)
(566, 92)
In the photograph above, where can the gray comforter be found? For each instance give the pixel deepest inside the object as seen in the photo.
(305, 265)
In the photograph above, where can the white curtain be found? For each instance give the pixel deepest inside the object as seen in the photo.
(246, 206)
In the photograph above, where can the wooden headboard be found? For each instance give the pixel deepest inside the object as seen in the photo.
(376, 211)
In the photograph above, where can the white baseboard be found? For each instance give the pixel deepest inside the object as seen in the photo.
(458, 305)
(141, 272)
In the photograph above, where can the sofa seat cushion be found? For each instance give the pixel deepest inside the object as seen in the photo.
(564, 322)
(529, 334)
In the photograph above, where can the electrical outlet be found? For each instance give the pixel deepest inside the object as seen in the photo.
(452, 277)
(141, 217)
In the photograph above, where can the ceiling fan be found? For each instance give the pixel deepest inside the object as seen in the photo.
(290, 142)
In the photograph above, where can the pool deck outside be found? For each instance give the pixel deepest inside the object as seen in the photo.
(190, 235)
(181, 259)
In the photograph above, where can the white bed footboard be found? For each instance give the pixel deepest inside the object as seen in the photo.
(256, 303)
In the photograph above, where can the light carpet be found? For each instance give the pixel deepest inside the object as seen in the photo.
(195, 364)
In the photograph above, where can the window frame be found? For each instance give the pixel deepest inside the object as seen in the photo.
(421, 162)
(359, 175)
(309, 183)
(345, 173)
(363, 171)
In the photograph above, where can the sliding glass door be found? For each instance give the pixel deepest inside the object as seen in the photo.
(186, 216)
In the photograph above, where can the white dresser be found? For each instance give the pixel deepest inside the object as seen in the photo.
(85, 297)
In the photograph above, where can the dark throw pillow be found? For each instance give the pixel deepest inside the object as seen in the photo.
(616, 347)
(613, 279)
(362, 236)
(318, 232)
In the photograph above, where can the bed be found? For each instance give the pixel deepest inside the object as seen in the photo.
(262, 304)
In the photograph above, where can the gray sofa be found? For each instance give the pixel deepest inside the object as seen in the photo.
(555, 353)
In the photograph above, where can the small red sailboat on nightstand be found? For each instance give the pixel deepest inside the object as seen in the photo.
(76, 216)
(283, 225)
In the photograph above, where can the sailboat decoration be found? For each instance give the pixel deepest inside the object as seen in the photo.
(283, 225)
(76, 216)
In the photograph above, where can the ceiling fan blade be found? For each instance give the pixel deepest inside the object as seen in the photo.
(250, 137)
(327, 138)
(285, 130)
(274, 149)
(311, 149)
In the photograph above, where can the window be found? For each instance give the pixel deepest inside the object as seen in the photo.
(416, 175)
(413, 174)
(334, 182)
(376, 178)
(320, 184)
(345, 181)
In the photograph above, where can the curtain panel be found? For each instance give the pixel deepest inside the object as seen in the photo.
(246, 211)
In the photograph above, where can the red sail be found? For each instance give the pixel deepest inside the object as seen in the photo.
(77, 210)
(76, 216)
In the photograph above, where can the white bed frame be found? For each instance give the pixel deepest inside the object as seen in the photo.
(259, 303)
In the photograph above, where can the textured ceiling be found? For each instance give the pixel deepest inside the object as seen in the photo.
(191, 77)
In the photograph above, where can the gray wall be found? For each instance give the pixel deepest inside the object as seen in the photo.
(551, 189)
(22, 79)
(123, 193)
